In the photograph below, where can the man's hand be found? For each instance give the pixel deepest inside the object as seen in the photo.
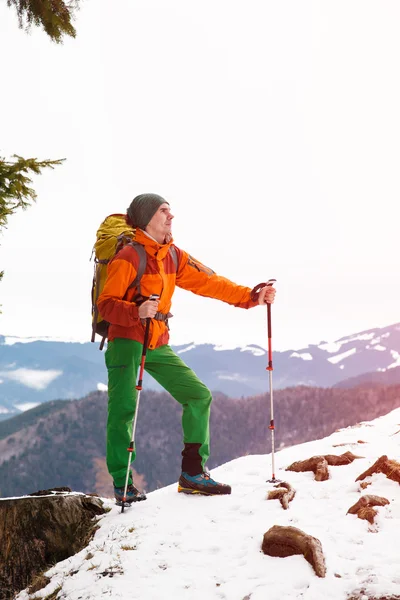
(148, 309)
(266, 295)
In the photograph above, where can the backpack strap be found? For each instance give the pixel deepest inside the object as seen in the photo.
(142, 265)
(174, 256)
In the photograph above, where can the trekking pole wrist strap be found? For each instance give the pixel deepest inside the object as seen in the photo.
(255, 291)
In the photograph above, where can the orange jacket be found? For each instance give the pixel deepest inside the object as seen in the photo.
(160, 277)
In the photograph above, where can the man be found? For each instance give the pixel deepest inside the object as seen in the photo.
(127, 311)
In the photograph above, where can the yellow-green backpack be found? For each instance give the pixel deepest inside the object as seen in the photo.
(112, 235)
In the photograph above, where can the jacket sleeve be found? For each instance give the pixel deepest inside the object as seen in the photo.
(192, 275)
(120, 274)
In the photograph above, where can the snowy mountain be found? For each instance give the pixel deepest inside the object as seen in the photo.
(191, 547)
(35, 371)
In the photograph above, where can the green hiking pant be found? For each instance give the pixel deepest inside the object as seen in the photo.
(123, 357)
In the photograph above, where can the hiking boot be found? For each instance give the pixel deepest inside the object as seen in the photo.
(132, 495)
(201, 484)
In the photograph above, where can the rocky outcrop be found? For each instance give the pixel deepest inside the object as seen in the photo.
(38, 530)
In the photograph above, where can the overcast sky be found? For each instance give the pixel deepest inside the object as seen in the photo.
(272, 128)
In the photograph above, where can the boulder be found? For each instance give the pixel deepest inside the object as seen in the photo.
(287, 541)
(39, 530)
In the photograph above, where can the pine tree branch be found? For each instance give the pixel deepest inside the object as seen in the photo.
(55, 16)
(15, 190)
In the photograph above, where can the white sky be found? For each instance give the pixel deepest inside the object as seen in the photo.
(191, 547)
(271, 128)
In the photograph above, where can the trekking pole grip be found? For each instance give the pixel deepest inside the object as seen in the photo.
(144, 351)
(270, 367)
(145, 345)
(269, 321)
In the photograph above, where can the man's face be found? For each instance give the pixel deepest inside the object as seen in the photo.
(160, 223)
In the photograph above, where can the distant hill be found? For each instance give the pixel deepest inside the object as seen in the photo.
(37, 371)
(387, 377)
(63, 444)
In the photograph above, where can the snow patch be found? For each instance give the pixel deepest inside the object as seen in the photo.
(10, 340)
(32, 378)
(379, 347)
(396, 357)
(222, 347)
(331, 347)
(26, 406)
(339, 357)
(190, 347)
(102, 387)
(303, 355)
(255, 350)
(4, 410)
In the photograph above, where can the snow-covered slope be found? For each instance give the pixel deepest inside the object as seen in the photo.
(192, 548)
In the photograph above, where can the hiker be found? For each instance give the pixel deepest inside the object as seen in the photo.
(126, 311)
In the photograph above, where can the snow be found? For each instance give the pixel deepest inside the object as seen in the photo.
(359, 336)
(379, 347)
(330, 347)
(26, 405)
(10, 340)
(192, 547)
(190, 347)
(303, 355)
(255, 350)
(102, 387)
(339, 357)
(396, 357)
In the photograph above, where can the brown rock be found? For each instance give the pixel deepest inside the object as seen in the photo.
(390, 468)
(283, 492)
(363, 508)
(319, 464)
(288, 541)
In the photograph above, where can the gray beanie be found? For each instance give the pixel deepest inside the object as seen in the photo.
(143, 208)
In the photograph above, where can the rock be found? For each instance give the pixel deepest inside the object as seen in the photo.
(283, 492)
(288, 541)
(36, 532)
(363, 508)
(390, 468)
(319, 464)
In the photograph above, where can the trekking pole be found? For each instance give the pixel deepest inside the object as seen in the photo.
(139, 386)
(270, 369)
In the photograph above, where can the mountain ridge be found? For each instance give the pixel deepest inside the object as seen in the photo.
(33, 372)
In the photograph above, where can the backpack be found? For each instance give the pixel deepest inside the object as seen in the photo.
(113, 235)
